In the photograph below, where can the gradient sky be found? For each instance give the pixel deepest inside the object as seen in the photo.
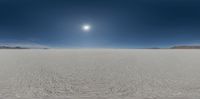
(115, 23)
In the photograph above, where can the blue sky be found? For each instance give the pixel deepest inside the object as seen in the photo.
(115, 23)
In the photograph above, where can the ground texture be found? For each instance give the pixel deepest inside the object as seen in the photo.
(99, 74)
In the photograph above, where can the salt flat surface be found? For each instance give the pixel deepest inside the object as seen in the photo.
(99, 74)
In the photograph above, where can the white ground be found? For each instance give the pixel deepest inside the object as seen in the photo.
(99, 74)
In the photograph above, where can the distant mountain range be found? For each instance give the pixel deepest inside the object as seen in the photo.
(19, 47)
(8, 47)
(44, 47)
(22, 46)
(179, 47)
(186, 47)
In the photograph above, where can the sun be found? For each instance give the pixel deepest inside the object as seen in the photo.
(86, 27)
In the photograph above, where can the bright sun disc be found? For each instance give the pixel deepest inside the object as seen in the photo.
(86, 27)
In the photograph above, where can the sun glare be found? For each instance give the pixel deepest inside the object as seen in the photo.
(86, 27)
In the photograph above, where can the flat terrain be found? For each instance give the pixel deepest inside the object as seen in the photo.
(99, 74)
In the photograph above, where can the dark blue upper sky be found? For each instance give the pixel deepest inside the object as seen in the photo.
(115, 23)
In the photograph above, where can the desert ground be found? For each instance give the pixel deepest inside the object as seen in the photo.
(99, 74)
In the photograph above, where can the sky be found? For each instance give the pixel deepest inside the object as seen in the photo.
(114, 23)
